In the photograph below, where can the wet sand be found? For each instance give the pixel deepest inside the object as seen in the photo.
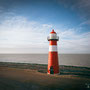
(27, 79)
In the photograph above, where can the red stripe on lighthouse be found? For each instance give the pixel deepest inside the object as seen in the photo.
(52, 42)
(53, 61)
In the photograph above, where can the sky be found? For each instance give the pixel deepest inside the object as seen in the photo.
(25, 25)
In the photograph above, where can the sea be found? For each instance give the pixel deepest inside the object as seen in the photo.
(82, 60)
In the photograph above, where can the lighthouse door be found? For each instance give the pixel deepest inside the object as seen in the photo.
(51, 70)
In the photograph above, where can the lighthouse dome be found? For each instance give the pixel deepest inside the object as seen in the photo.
(53, 32)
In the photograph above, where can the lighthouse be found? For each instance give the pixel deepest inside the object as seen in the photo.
(53, 64)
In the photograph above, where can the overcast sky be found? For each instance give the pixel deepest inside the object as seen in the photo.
(25, 25)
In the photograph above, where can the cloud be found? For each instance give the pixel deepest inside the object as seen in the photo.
(18, 31)
(72, 42)
(86, 22)
(19, 35)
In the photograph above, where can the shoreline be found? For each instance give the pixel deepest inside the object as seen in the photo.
(42, 64)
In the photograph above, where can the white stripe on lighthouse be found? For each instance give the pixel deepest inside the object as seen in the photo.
(53, 48)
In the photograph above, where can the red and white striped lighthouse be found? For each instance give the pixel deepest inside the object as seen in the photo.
(53, 65)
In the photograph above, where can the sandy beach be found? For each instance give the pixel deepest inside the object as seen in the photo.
(31, 79)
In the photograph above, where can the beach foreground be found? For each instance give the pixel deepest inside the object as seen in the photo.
(23, 78)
